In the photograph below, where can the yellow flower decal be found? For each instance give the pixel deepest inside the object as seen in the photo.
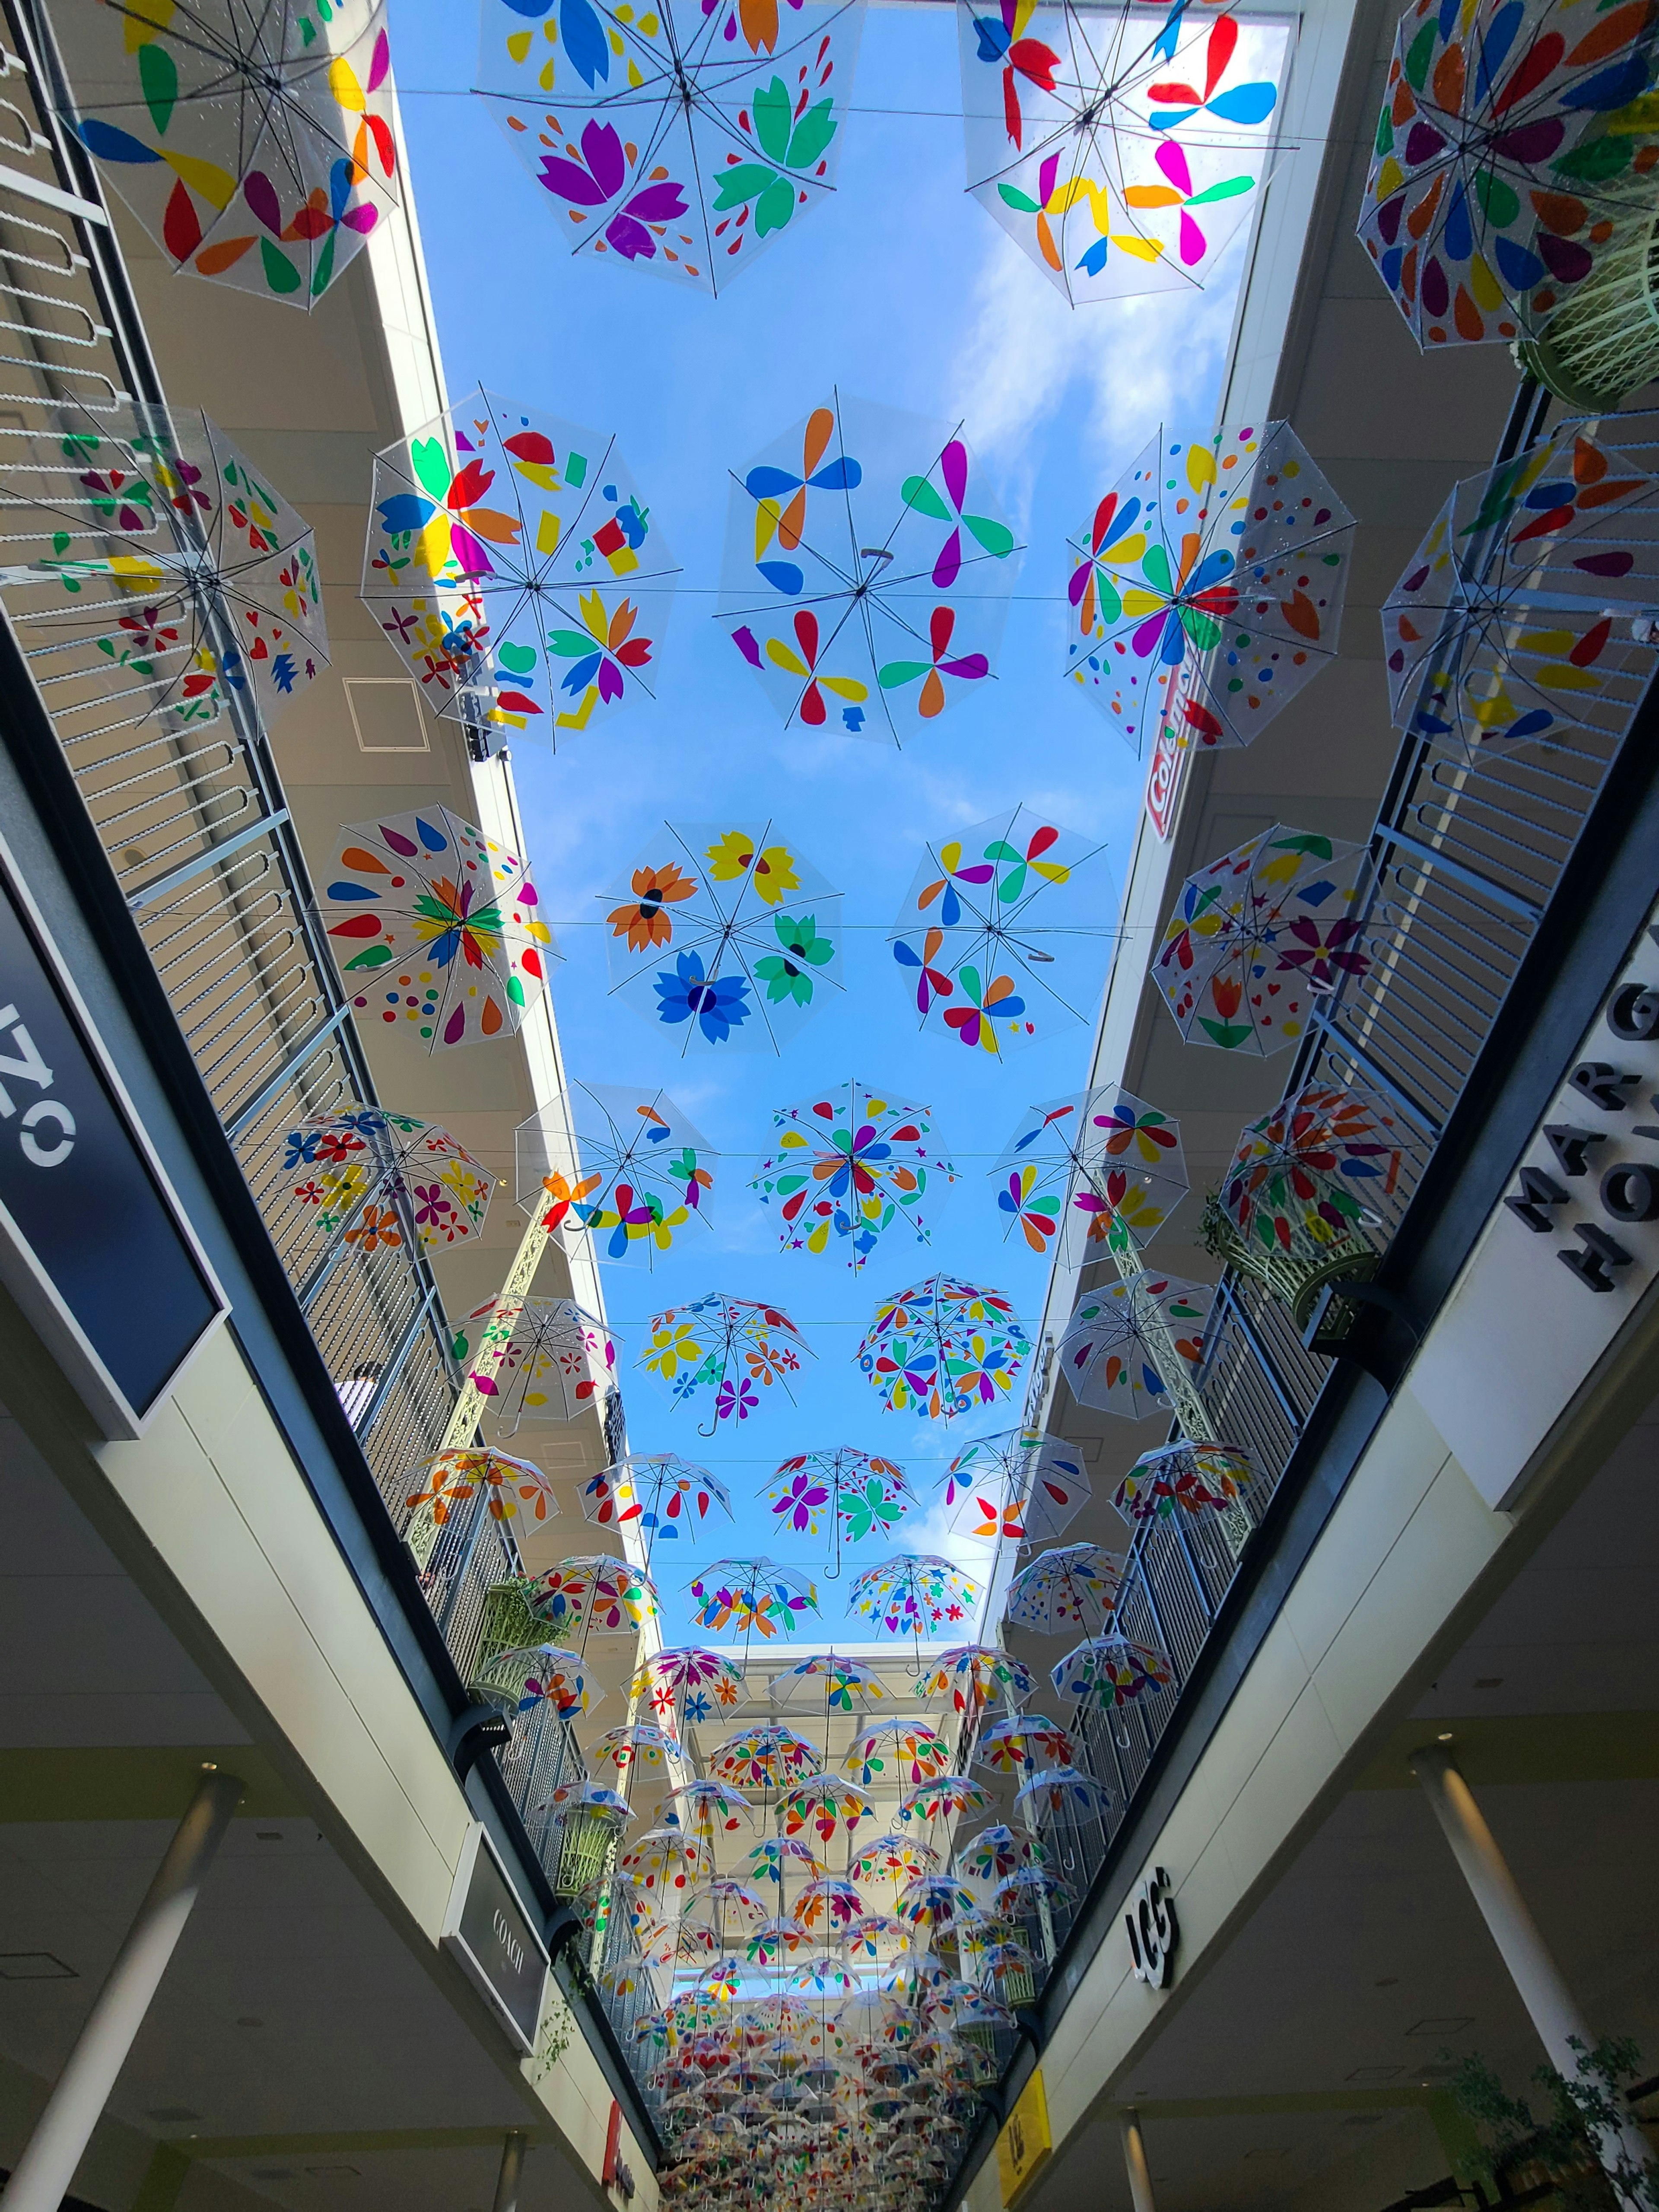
(774, 869)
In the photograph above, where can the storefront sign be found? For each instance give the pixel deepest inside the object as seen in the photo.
(93, 1245)
(1152, 1931)
(490, 1932)
(616, 2174)
(1024, 2144)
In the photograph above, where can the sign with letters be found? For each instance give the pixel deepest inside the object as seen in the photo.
(93, 1245)
(1153, 1931)
(493, 1937)
(1026, 2144)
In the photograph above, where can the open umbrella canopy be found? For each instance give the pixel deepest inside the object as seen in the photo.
(596, 1591)
(855, 1493)
(686, 1683)
(452, 1478)
(1063, 1790)
(367, 1172)
(1121, 1337)
(533, 1673)
(945, 1798)
(995, 1852)
(912, 1594)
(681, 140)
(850, 1163)
(846, 1686)
(515, 567)
(1094, 1173)
(1073, 1586)
(972, 1674)
(636, 1746)
(1023, 1744)
(1187, 1476)
(724, 1350)
(253, 151)
(769, 1756)
(1507, 150)
(437, 926)
(897, 1750)
(893, 1859)
(559, 1360)
(1257, 936)
(647, 1173)
(1109, 1671)
(1207, 587)
(1018, 1484)
(706, 1809)
(867, 571)
(755, 1597)
(827, 1804)
(665, 1498)
(943, 1347)
(1120, 150)
(159, 544)
(1315, 1169)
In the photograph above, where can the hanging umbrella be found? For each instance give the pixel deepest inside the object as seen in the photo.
(364, 1171)
(1257, 935)
(689, 1684)
(1065, 1790)
(1188, 1477)
(516, 567)
(823, 1977)
(945, 1798)
(874, 1939)
(995, 1852)
(912, 1593)
(1312, 1172)
(1500, 167)
(1109, 1671)
(706, 1809)
(826, 1804)
(850, 1163)
(867, 571)
(897, 1750)
(774, 1942)
(559, 1359)
(452, 1478)
(829, 1902)
(1119, 1334)
(972, 1674)
(667, 1497)
(1026, 1893)
(767, 1757)
(595, 1591)
(1024, 1744)
(252, 150)
(663, 1861)
(1095, 1172)
(893, 1859)
(730, 1349)
(943, 1347)
(164, 549)
(1204, 633)
(846, 1686)
(725, 1903)
(855, 1491)
(678, 1942)
(635, 1747)
(780, 1855)
(1524, 610)
(935, 1903)
(647, 1173)
(996, 934)
(723, 935)
(1019, 1484)
(1075, 1586)
(1090, 147)
(755, 1596)
(530, 1673)
(436, 924)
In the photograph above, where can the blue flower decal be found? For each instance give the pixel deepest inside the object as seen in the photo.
(719, 1004)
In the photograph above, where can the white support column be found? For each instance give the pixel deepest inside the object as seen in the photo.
(1135, 2158)
(1537, 1976)
(507, 2181)
(42, 2176)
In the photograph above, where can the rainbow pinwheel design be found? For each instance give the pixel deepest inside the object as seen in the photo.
(756, 1597)
(845, 1685)
(897, 1750)
(867, 570)
(595, 1592)
(516, 567)
(1186, 1477)
(827, 1804)
(1207, 588)
(1096, 1173)
(723, 935)
(645, 1172)
(679, 140)
(1511, 160)
(995, 940)
(943, 1347)
(1122, 158)
(1018, 1484)
(1109, 1671)
(972, 1674)
(558, 1362)
(435, 925)
(1122, 1336)
(253, 152)
(849, 1164)
(1024, 1743)
(1518, 614)
(728, 1349)
(1258, 934)
(1321, 1167)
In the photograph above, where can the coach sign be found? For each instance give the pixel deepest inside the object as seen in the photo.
(490, 1932)
(93, 1246)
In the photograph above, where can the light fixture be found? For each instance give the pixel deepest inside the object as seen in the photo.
(209, 1766)
(1444, 1739)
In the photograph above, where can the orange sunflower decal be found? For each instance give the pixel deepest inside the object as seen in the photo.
(647, 921)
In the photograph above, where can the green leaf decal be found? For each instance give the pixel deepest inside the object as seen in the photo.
(733, 186)
(775, 206)
(812, 135)
(281, 273)
(772, 118)
(158, 78)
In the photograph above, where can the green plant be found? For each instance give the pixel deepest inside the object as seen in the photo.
(1581, 2114)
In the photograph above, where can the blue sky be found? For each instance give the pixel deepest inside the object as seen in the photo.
(901, 289)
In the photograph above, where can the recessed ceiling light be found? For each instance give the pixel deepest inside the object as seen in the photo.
(1446, 1738)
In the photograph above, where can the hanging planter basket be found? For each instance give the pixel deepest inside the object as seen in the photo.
(587, 1836)
(1602, 344)
(506, 1623)
(1297, 1280)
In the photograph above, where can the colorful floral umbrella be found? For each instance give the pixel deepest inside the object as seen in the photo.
(1120, 156)
(730, 1349)
(868, 569)
(774, 1942)
(996, 1852)
(754, 1597)
(1066, 1789)
(530, 1673)
(874, 1939)
(1094, 1173)
(1030, 1890)
(1188, 1477)
(595, 1592)
(779, 1856)
(689, 1684)
(769, 1756)
(972, 1674)
(946, 1797)
(1122, 1336)
(1109, 1671)
(855, 1491)
(163, 549)
(828, 1902)
(893, 1859)
(822, 1976)
(647, 1173)
(452, 1478)
(1506, 628)
(935, 1902)
(1074, 1586)
(1511, 141)
(943, 1347)
(1205, 632)
(912, 1593)
(897, 1750)
(559, 1360)
(664, 1497)
(997, 935)
(849, 1164)
(252, 151)
(1257, 935)
(635, 1747)
(366, 1171)
(706, 1810)
(1315, 1169)
(1017, 1484)
(436, 925)
(591, 1797)
(516, 567)
(724, 936)
(1024, 1744)
(826, 1804)
(679, 141)
(846, 1686)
